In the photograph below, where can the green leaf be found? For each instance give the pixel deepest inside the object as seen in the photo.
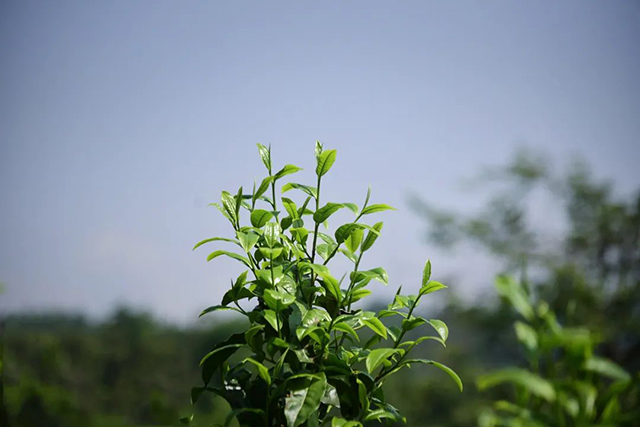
(412, 323)
(260, 217)
(238, 202)
(265, 155)
(607, 368)
(426, 274)
(329, 282)
(345, 327)
(235, 256)
(302, 402)
(215, 239)
(377, 356)
(440, 327)
(526, 335)
(278, 300)
(271, 253)
(431, 286)
(354, 240)
(376, 208)
(352, 207)
(344, 231)
(371, 237)
(445, 368)
(221, 352)
(378, 274)
(264, 186)
(290, 207)
(318, 149)
(341, 422)
(247, 240)
(311, 191)
(325, 161)
(352, 257)
(263, 372)
(229, 204)
(376, 326)
(523, 378)
(511, 290)
(287, 170)
(358, 294)
(271, 317)
(217, 308)
(379, 414)
(322, 214)
(271, 233)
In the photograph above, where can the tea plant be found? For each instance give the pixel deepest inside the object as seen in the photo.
(308, 357)
(566, 383)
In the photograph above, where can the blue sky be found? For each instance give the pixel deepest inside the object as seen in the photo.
(120, 121)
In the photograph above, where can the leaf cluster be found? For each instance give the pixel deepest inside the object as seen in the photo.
(308, 357)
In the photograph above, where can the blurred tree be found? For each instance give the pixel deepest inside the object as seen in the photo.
(589, 273)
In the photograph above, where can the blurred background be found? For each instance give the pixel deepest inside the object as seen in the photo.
(505, 133)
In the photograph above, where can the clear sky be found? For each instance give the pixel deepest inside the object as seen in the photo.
(120, 121)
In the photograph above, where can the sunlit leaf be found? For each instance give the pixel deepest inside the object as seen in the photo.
(377, 356)
(230, 255)
(376, 208)
(287, 170)
(260, 217)
(325, 161)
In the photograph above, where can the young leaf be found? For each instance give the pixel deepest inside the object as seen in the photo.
(352, 207)
(217, 308)
(377, 356)
(318, 149)
(260, 217)
(440, 327)
(287, 170)
(322, 214)
(376, 326)
(371, 237)
(215, 239)
(431, 286)
(325, 161)
(344, 231)
(426, 273)
(265, 155)
(247, 240)
(311, 191)
(290, 207)
(376, 208)
(277, 300)
(272, 318)
(264, 186)
(354, 240)
(271, 233)
(445, 368)
(235, 256)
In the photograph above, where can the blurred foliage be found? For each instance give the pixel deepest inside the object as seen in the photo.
(565, 384)
(61, 370)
